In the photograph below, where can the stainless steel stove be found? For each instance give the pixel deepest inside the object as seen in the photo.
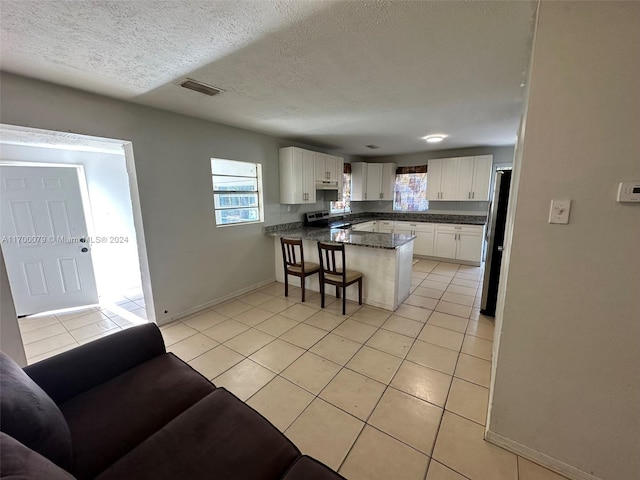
(322, 219)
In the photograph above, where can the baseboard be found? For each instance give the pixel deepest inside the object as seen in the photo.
(540, 458)
(448, 260)
(212, 303)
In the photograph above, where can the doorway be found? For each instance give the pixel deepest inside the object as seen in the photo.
(109, 199)
(45, 240)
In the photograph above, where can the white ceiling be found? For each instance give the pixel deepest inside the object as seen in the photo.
(338, 75)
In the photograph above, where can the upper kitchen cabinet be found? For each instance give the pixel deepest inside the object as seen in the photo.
(474, 177)
(442, 179)
(297, 176)
(462, 178)
(328, 170)
(372, 181)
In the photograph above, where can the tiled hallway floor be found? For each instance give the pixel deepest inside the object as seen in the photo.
(373, 394)
(46, 335)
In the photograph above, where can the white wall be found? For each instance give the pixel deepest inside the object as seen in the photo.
(117, 267)
(567, 383)
(191, 261)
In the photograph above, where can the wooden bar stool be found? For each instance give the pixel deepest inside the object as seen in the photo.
(335, 272)
(291, 251)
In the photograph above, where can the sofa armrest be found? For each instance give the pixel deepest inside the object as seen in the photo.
(75, 371)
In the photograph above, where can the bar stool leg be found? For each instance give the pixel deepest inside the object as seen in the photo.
(360, 291)
(302, 283)
(344, 300)
(286, 283)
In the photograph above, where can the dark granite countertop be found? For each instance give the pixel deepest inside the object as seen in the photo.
(355, 218)
(417, 217)
(387, 241)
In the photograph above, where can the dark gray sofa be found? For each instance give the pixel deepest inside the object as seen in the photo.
(121, 407)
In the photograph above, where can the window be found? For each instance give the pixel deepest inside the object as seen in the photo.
(344, 205)
(410, 193)
(237, 191)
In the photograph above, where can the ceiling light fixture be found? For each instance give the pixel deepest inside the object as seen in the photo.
(201, 87)
(434, 138)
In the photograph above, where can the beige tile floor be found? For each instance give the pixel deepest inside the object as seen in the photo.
(51, 333)
(374, 394)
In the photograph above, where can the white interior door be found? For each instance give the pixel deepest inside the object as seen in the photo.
(44, 239)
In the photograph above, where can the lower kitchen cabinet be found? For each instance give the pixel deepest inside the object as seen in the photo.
(366, 227)
(386, 226)
(443, 240)
(423, 243)
(458, 242)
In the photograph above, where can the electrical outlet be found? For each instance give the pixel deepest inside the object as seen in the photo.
(559, 212)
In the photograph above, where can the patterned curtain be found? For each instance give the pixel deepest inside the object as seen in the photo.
(414, 169)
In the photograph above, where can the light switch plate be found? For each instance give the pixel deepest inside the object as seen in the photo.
(559, 212)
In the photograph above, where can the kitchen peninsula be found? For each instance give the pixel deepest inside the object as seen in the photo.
(384, 259)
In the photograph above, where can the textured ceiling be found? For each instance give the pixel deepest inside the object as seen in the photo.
(339, 75)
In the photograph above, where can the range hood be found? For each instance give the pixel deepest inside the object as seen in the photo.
(326, 185)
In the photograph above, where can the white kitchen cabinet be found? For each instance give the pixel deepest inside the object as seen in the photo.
(372, 181)
(460, 178)
(386, 226)
(465, 178)
(474, 177)
(442, 179)
(482, 168)
(470, 246)
(297, 176)
(423, 243)
(388, 185)
(445, 242)
(365, 226)
(460, 242)
(358, 181)
(328, 169)
(434, 177)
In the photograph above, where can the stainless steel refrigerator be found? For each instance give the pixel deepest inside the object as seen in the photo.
(495, 239)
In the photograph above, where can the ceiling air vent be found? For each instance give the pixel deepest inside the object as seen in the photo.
(200, 87)
(372, 147)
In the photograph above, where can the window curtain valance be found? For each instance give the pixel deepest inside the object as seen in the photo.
(414, 169)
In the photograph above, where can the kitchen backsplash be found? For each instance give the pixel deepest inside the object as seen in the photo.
(453, 208)
(278, 214)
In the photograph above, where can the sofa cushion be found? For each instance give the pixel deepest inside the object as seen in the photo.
(30, 416)
(70, 373)
(307, 468)
(220, 437)
(111, 419)
(20, 462)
